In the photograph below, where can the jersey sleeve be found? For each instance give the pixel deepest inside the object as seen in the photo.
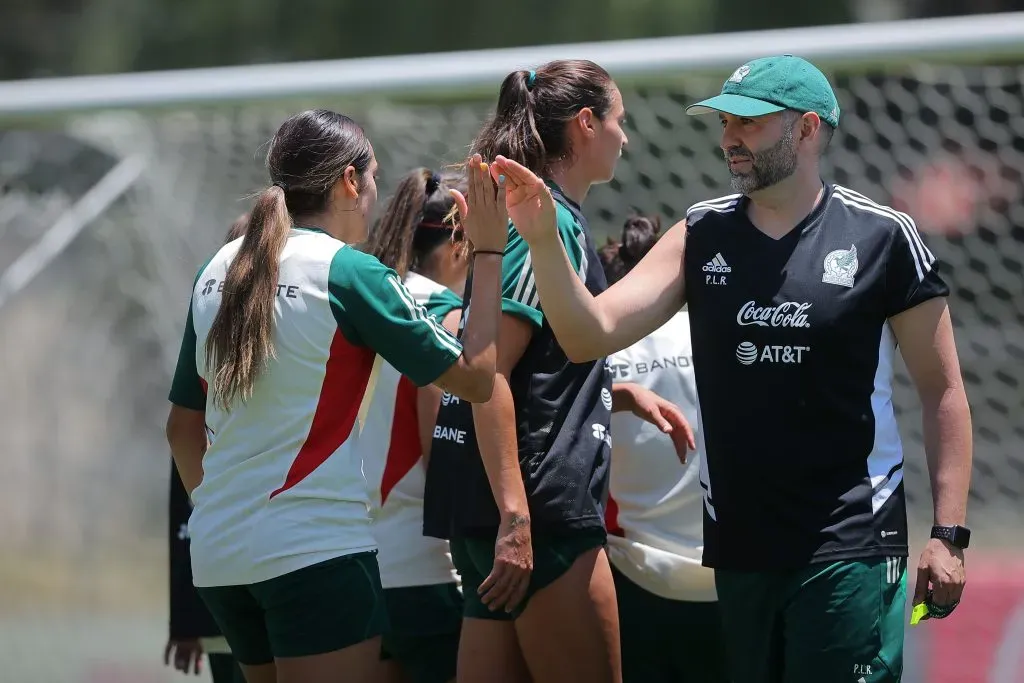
(374, 309)
(911, 272)
(519, 290)
(442, 303)
(187, 388)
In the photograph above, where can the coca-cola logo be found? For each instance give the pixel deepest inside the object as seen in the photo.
(786, 314)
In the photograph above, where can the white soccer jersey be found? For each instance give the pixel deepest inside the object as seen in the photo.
(393, 460)
(283, 486)
(655, 507)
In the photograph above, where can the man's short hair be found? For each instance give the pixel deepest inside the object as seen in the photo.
(827, 130)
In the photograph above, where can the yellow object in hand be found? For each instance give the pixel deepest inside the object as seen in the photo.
(919, 612)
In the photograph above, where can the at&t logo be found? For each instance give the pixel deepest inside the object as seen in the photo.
(748, 354)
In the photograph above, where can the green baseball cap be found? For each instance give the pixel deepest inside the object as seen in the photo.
(771, 84)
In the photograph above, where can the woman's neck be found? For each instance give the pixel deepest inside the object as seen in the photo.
(329, 223)
(571, 180)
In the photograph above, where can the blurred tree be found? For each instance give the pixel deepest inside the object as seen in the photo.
(749, 15)
(65, 37)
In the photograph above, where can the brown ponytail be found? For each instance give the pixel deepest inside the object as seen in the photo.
(309, 154)
(529, 122)
(241, 339)
(417, 220)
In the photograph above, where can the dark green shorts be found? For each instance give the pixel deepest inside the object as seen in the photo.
(839, 621)
(224, 669)
(322, 608)
(664, 641)
(552, 556)
(424, 631)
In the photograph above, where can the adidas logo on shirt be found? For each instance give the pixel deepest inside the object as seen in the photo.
(716, 269)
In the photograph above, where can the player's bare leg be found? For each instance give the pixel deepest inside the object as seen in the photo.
(355, 664)
(569, 631)
(261, 673)
(489, 652)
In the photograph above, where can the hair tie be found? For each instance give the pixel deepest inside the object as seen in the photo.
(281, 184)
(436, 225)
(531, 79)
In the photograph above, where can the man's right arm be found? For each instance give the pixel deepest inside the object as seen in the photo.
(589, 327)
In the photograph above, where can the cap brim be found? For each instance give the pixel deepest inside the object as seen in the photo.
(737, 105)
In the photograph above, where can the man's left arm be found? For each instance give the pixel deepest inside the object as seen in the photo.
(924, 334)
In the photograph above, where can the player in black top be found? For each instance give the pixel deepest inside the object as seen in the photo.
(519, 483)
(193, 631)
(799, 293)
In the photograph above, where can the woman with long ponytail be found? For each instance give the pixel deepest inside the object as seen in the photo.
(274, 380)
(518, 483)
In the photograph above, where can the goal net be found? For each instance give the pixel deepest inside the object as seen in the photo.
(133, 199)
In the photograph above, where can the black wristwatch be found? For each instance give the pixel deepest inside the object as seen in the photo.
(959, 536)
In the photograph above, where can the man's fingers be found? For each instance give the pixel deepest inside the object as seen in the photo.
(945, 594)
(167, 652)
(921, 587)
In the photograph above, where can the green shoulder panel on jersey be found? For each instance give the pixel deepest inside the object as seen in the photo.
(186, 386)
(519, 289)
(439, 304)
(374, 309)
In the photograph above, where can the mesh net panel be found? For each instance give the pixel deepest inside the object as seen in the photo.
(89, 345)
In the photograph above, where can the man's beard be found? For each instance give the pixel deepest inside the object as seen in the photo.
(767, 167)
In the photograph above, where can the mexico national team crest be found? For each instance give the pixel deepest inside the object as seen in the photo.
(739, 74)
(841, 266)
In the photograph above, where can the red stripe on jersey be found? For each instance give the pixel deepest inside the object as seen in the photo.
(206, 387)
(345, 381)
(611, 518)
(405, 449)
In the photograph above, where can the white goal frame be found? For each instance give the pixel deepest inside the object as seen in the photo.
(971, 38)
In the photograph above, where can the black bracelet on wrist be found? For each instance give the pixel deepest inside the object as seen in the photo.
(488, 251)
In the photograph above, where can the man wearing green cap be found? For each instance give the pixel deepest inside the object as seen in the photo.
(799, 294)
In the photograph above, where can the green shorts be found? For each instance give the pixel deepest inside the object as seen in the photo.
(553, 555)
(321, 608)
(425, 622)
(839, 621)
(655, 649)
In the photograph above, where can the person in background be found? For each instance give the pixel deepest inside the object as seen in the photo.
(193, 631)
(418, 236)
(277, 365)
(669, 621)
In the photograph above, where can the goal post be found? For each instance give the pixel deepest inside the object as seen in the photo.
(974, 38)
(932, 123)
